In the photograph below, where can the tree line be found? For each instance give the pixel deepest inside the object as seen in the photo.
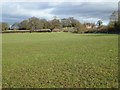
(65, 24)
(35, 23)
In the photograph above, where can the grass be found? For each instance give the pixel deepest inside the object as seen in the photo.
(0, 60)
(60, 60)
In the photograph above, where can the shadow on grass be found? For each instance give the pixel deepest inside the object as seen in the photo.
(95, 34)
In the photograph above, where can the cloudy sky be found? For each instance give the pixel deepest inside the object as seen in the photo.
(83, 11)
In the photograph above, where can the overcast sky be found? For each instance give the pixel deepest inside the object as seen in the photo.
(83, 11)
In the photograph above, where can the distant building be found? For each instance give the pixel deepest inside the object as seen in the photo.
(89, 25)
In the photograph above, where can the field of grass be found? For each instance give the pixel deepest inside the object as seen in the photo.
(43, 60)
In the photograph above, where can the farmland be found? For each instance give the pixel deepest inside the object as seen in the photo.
(59, 60)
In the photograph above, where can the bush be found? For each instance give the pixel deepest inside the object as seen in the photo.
(5, 26)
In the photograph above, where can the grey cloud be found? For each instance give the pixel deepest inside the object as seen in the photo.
(9, 10)
(28, 5)
(75, 9)
(13, 18)
(35, 5)
(86, 9)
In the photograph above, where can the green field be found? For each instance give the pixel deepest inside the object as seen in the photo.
(43, 60)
